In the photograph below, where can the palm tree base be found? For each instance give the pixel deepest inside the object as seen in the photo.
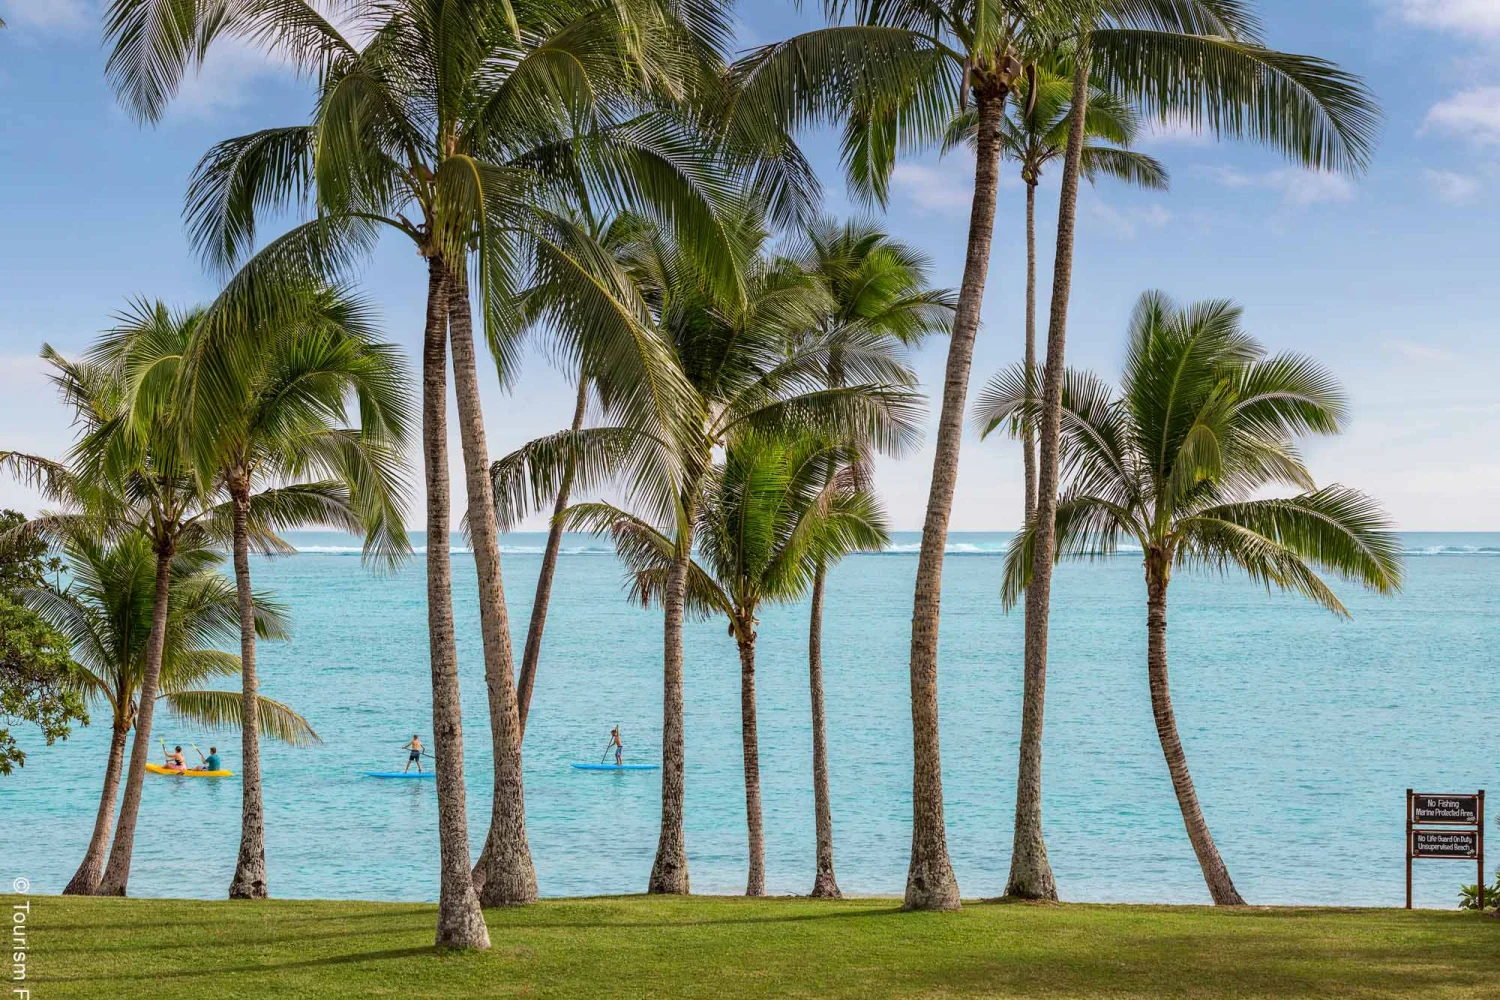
(506, 881)
(249, 885)
(85, 882)
(669, 877)
(826, 887)
(932, 887)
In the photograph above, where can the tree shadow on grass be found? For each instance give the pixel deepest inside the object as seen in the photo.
(264, 967)
(687, 922)
(272, 913)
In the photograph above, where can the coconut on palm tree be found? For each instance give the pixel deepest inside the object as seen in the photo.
(1177, 462)
(281, 421)
(894, 74)
(106, 614)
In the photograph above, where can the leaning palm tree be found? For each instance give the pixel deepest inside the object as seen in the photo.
(459, 125)
(106, 612)
(1204, 422)
(895, 77)
(876, 286)
(282, 420)
(732, 351)
(1034, 135)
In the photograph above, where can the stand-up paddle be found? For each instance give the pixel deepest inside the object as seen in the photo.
(415, 753)
(618, 746)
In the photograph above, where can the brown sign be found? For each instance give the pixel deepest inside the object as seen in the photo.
(1453, 810)
(1430, 839)
(1461, 844)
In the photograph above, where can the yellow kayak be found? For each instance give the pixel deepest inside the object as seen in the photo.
(158, 769)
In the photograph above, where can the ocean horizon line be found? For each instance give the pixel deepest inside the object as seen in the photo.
(904, 543)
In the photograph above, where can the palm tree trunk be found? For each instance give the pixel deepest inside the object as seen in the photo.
(533, 651)
(117, 871)
(504, 875)
(755, 885)
(669, 872)
(1030, 871)
(86, 879)
(930, 883)
(460, 921)
(1220, 887)
(250, 870)
(825, 886)
(1028, 432)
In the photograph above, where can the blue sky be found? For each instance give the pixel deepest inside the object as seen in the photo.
(1389, 279)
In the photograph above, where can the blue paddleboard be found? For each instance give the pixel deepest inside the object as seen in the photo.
(616, 767)
(399, 774)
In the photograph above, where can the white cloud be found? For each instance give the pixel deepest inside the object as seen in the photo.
(226, 81)
(1127, 223)
(51, 15)
(1408, 350)
(1175, 133)
(1472, 114)
(1465, 16)
(943, 189)
(1298, 188)
(1451, 188)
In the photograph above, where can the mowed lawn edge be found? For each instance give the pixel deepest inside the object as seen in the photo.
(727, 947)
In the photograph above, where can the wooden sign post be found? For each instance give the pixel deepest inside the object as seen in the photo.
(1447, 811)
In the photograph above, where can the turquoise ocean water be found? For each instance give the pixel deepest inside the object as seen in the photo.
(1303, 732)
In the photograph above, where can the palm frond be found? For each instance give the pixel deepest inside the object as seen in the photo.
(225, 710)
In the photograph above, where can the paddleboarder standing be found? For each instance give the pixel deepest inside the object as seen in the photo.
(614, 741)
(414, 756)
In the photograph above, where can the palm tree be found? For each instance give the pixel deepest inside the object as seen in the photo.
(733, 352)
(282, 419)
(1203, 423)
(472, 118)
(895, 78)
(768, 523)
(876, 285)
(1034, 135)
(127, 472)
(106, 615)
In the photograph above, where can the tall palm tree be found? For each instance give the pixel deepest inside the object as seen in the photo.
(877, 286)
(471, 118)
(1317, 115)
(894, 77)
(1203, 423)
(768, 524)
(282, 419)
(732, 351)
(1034, 135)
(106, 612)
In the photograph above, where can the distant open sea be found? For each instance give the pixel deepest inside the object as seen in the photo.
(1303, 733)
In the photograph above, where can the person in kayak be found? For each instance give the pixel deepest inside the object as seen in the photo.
(175, 761)
(614, 741)
(211, 762)
(415, 754)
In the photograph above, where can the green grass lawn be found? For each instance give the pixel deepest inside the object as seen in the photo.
(721, 948)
